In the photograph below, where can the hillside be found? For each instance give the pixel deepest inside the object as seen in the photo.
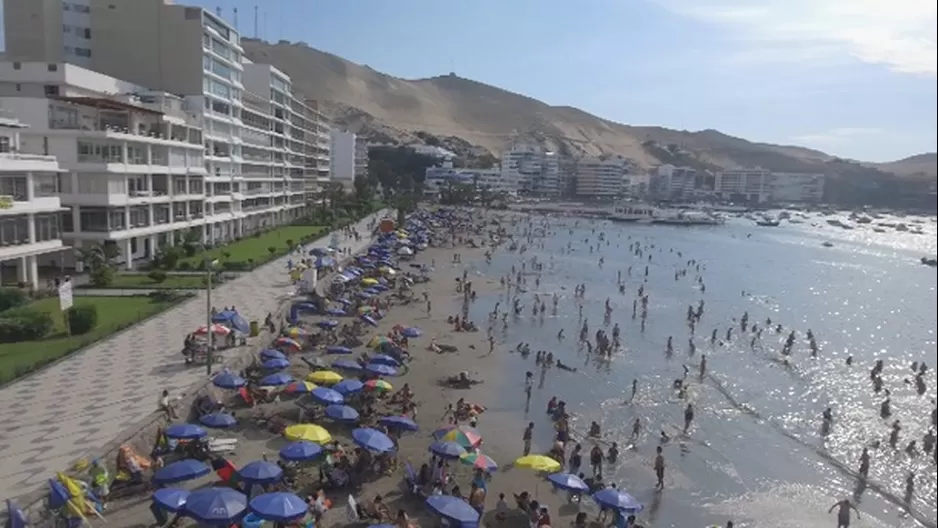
(462, 114)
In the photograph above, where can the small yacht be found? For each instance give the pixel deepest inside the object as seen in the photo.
(632, 212)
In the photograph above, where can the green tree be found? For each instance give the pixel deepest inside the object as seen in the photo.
(97, 260)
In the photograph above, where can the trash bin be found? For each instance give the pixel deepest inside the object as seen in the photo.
(255, 328)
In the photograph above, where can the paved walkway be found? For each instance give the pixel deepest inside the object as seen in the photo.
(50, 419)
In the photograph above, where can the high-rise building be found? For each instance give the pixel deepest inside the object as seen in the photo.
(743, 185)
(673, 183)
(532, 170)
(342, 158)
(30, 209)
(599, 177)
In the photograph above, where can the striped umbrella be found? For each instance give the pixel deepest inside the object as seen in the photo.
(378, 385)
(479, 461)
(465, 436)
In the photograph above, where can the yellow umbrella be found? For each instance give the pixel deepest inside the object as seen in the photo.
(324, 377)
(538, 463)
(387, 271)
(296, 332)
(369, 281)
(365, 310)
(377, 341)
(308, 432)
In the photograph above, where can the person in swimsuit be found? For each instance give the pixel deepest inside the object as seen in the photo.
(843, 512)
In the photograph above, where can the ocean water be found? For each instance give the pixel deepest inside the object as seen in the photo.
(754, 453)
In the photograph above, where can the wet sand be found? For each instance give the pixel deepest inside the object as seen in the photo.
(499, 425)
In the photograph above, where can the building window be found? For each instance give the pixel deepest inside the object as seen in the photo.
(47, 227)
(5, 144)
(83, 52)
(14, 230)
(51, 89)
(17, 66)
(93, 219)
(66, 29)
(82, 8)
(45, 185)
(86, 32)
(117, 219)
(66, 6)
(66, 222)
(52, 67)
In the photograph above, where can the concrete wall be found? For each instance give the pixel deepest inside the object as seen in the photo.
(141, 434)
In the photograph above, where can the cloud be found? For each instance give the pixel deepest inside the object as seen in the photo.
(899, 34)
(836, 136)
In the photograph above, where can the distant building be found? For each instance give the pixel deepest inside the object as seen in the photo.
(668, 182)
(361, 159)
(796, 187)
(761, 185)
(435, 152)
(436, 179)
(343, 157)
(532, 170)
(599, 177)
(636, 184)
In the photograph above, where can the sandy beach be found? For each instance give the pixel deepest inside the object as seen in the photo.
(501, 430)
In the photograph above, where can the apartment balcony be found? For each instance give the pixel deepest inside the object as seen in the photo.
(105, 118)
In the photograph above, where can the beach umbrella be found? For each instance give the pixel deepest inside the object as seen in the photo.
(215, 506)
(315, 362)
(300, 387)
(404, 250)
(372, 440)
(287, 343)
(228, 380)
(181, 471)
(401, 423)
(273, 380)
(308, 432)
(327, 396)
(324, 377)
(362, 310)
(347, 364)
(378, 341)
(16, 517)
(454, 509)
(411, 332)
(617, 499)
(185, 431)
(373, 290)
(479, 461)
(260, 472)
(319, 252)
(342, 413)
(278, 507)
(338, 349)
(328, 324)
(537, 463)
(300, 451)
(275, 364)
(381, 370)
(271, 353)
(384, 359)
(364, 295)
(217, 329)
(367, 318)
(466, 436)
(378, 385)
(369, 282)
(568, 482)
(447, 449)
(171, 499)
(347, 387)
(338, 312)
(218, 420)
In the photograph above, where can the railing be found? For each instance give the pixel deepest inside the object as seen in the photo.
(25, 157)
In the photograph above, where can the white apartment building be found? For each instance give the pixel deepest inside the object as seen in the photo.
(742, 185)
(674, 183)
(30, 210)
(436, 179)
(343, 155)
(636, 184)
(796, 187)
(531, 170)
(599, 177)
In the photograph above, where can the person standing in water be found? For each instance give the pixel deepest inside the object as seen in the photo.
(659, 468)
(843, 512)
(688, 416)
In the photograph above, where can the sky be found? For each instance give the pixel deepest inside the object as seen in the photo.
(854, 78)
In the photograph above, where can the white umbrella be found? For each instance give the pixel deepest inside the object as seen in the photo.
(405, 251)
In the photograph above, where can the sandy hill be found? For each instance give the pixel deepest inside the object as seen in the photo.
(462, 114)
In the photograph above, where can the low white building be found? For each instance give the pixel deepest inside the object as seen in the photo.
(436, 179)
(599, 177)
(30, 209)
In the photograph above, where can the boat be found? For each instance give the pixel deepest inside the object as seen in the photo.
(930, 261)
(687, 218)
(767, 223)
(828, 244)
(632, 212)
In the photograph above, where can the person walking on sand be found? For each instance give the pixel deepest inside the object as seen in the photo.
(526, 438)
(429, 306)
(659, 468)
(843, 512)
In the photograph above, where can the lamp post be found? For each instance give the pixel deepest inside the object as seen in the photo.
(210, 356)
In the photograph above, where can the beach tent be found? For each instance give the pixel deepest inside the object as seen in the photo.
(233, 320)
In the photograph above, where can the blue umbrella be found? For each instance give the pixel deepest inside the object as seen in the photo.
(280, 378)
(271, 353)
(364, 295)
(372, 440)
(411, 332)
(228, 380)
(384, 359)
(181, 471)
(171, 499)
(327, 396)
(568, 482)
(347, 364)
(16, 518)
(381, 370)
(338, 349)
(319, 252)
(368, 319)
(348, 386)
(215, 506)
(185, 431)
(398, 422)
(454, 509)
(275, 364)
(327, 324)
(260, 472)
(372, 290)
(336, 311)
(301, 451)
(617, 499)
(342, 413)
(218, 420)
(278, 507)
(447, 449)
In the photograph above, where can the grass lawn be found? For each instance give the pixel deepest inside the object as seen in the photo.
(114, 313)
(255, 247)
(130, 281)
